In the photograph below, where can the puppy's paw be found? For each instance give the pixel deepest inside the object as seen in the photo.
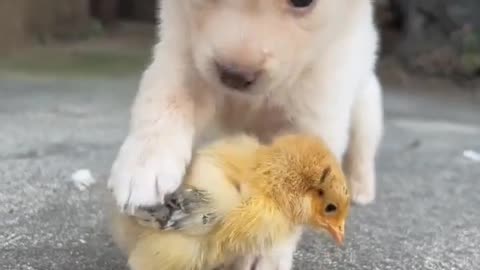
(269, 263)
(145, 171)
(362, 184)
(185, 209)
(243, 263)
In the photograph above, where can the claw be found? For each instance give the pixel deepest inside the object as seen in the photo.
(181, 208)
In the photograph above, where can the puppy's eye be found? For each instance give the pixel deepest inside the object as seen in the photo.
(330, 208)
(320, 192)
(301, 3)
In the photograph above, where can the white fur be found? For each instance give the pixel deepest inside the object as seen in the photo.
(281, 257)
(318, 77)
(367, 128)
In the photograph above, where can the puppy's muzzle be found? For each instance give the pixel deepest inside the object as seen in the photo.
(237, 77)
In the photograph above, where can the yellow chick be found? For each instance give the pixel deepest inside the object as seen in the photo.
(239, 198)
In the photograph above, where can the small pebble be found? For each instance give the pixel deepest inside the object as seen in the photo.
(82, 179)
(472, 155)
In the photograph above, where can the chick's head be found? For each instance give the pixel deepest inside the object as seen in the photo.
(303, 176)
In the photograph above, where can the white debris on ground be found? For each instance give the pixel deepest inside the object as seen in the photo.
(82, 179)
(472, 155)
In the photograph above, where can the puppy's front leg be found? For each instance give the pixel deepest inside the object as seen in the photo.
(279, 258)
(366, 133)
(243, 263)
(152, 160)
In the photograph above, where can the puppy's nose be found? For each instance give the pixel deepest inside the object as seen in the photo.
(237, 77)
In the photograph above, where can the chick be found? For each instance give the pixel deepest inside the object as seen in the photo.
(240, 198)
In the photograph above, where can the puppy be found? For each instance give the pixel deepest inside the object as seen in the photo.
(264, 67)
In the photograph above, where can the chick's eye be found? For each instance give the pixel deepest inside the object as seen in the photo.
(301, 3)
(330, 208)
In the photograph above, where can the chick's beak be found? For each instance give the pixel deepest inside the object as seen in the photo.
(337, 232)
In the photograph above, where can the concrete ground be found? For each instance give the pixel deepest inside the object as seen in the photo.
(427, 215)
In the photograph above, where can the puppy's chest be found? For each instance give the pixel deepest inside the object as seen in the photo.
(258, 118)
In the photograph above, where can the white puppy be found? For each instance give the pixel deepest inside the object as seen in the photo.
(261, 66)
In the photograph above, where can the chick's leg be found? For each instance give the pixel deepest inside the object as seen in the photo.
(366, 133)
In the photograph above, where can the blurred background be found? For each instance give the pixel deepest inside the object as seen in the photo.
(434, 37)
(69, 70)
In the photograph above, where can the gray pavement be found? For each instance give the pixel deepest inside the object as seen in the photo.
(427, 215)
